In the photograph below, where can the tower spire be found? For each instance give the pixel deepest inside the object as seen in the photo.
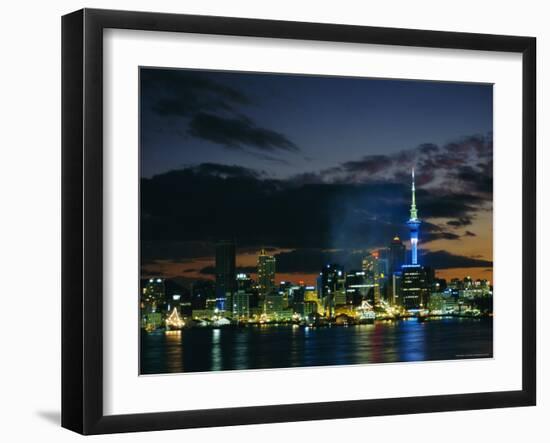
(414, 223)
(414, 212)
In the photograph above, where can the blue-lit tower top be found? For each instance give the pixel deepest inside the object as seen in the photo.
(413, 224)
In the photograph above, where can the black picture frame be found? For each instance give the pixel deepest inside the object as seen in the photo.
(82, 218)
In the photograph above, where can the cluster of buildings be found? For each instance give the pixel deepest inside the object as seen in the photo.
(388, 285)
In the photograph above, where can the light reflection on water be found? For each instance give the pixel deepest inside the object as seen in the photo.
(203, 349)
(216, 364)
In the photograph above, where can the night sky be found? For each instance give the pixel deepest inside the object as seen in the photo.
(316, 169)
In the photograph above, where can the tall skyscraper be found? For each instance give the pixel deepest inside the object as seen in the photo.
(225, 272)
(266, 274)
(414, 224)
(416, 282)
(332, 284)
(240, 305)
(374, 273)
(357, 287)
(397, 255)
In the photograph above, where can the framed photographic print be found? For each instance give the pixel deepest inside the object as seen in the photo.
(269, 221)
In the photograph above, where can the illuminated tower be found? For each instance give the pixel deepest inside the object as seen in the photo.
(413, 224)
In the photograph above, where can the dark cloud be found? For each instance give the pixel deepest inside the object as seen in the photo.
(446, 260)
(181, 93)
(462, 221)
(226, 171)
(470, 234)
(371, 164)
(237, 133)
(191, 104)
(148, 274)
(478, 178)
(200, 204)
(174, 250)
(432, 236)
(463, 166)
(428, 148)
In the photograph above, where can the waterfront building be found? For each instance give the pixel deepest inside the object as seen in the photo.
(340, 295)
(311, 295)
(285, 288)
(357, 287)
(443, 303)
(266, 274)
(256, 312)
(241, 305)
(416, 282)
(305, 308)
(152, 320)
(474, 293)
(273, 306)
(203, 314)
(296, 294)
(456, 284)
(183, 306)
(310, 308)
(225, 272)
(153, 297)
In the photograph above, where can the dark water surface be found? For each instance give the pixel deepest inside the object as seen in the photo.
(205, 349)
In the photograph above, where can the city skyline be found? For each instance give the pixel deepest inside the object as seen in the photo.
(237, 322)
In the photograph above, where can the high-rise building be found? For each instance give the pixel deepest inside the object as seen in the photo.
(310, 294)
(225, 272)
(397, 255)
(241, 305)
(153, 304)
(296, 294)
(273, 306)
(414, 224)
(245, 285)
(332, 284)
(374, 272)
(416, 282)
(357, 287)
(395, 291)
(244, 282)
(153, 298)
(266, 274)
